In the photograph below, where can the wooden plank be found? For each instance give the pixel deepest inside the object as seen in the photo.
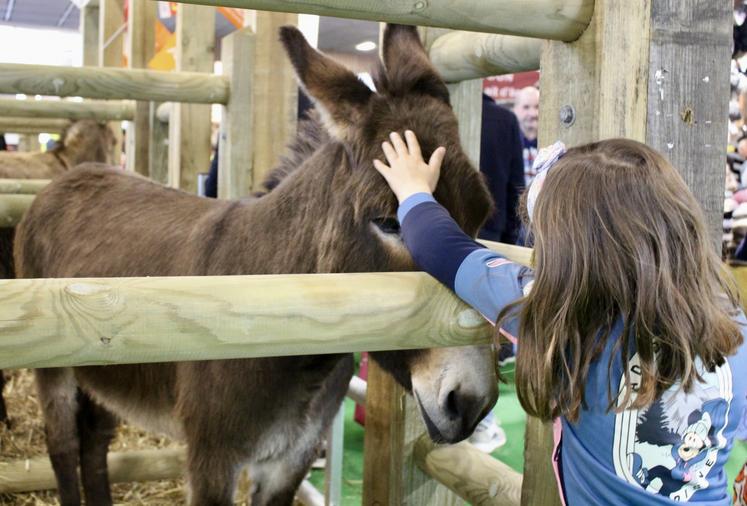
(29, 143)
(89, 31)
(382, 444)
(688, 95)
(32, 125)
(460, 56)
(393, 425)
(158, 154)
(22, 186)
(189, 127)
(113, 83)
(275, 94)
(477, 477)
(36, 474)
(141, 48)
(544, 19)
(13, 207)
(139, 320)
(236, 148)
(111, 33)
(111, 54)
(67, 109)
(466, 99)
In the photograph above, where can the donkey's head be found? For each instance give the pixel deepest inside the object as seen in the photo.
(87, 140)
(454, 387)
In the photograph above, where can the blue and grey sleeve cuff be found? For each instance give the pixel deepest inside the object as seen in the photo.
(489, 282)
(412, 201)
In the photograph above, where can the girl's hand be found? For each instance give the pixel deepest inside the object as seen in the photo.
(407, 173)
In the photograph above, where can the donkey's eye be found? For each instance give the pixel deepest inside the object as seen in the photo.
(387, 224)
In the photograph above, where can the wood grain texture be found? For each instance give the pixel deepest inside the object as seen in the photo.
(158, 152)
(475, 476)
(688, 95)
(189, 125)
(112, 83)
(393, 425)
(111, 35)
(67, 109)
(460, 56)
(13, 207)
(466, 99)
(140, 49)
(275, 103)
(236, 148)
(32, 125)
(23, 186)
(544, 19)
(89, 32)
(139, 465)
(62, 322)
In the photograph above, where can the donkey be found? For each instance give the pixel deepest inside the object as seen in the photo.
(333, 213)
(82, 141)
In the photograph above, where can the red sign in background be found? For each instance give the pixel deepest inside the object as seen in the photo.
(504, 88)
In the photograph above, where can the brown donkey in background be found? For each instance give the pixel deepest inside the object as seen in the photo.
(82, 141)
(333, 213)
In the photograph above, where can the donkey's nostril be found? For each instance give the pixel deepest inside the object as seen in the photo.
(452, 406)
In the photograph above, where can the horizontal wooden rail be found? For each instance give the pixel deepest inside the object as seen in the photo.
(67, 109)
(22, 186)
(460, 56)
(32, 125)
(64, 322)
(475, 476)
(12, 208)
(35, 474)
(113, 83)
(544, 19)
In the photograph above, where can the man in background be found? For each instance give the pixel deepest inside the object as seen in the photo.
(526, 108)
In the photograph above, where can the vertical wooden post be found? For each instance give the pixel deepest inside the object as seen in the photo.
(89, 30)
(29, 143)
(141, 48)
(158, 144)
(111, 49)
(656, 71)
(275, 94)
(466, 99)
(235, 162)
(393, 426)
(189, 126)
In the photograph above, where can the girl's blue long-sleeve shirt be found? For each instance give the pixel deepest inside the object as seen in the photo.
(669, 452)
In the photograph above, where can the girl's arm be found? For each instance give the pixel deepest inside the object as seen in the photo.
(479, 276)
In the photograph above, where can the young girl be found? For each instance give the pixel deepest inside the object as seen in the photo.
(628, 330)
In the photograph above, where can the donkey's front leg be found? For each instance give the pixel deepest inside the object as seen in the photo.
(96, 427)
(212, 473)
(57, 395)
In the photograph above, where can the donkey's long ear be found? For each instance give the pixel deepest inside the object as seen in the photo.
(338, 93)
(407, 65)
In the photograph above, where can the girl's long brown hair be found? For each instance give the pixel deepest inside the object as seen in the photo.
(619, 235)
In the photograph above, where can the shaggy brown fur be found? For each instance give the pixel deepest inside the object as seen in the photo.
(82, 141)
(326, 215)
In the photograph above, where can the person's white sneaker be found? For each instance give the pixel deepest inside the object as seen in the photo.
(488, 436)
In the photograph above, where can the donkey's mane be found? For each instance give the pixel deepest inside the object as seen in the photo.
(309, 137)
